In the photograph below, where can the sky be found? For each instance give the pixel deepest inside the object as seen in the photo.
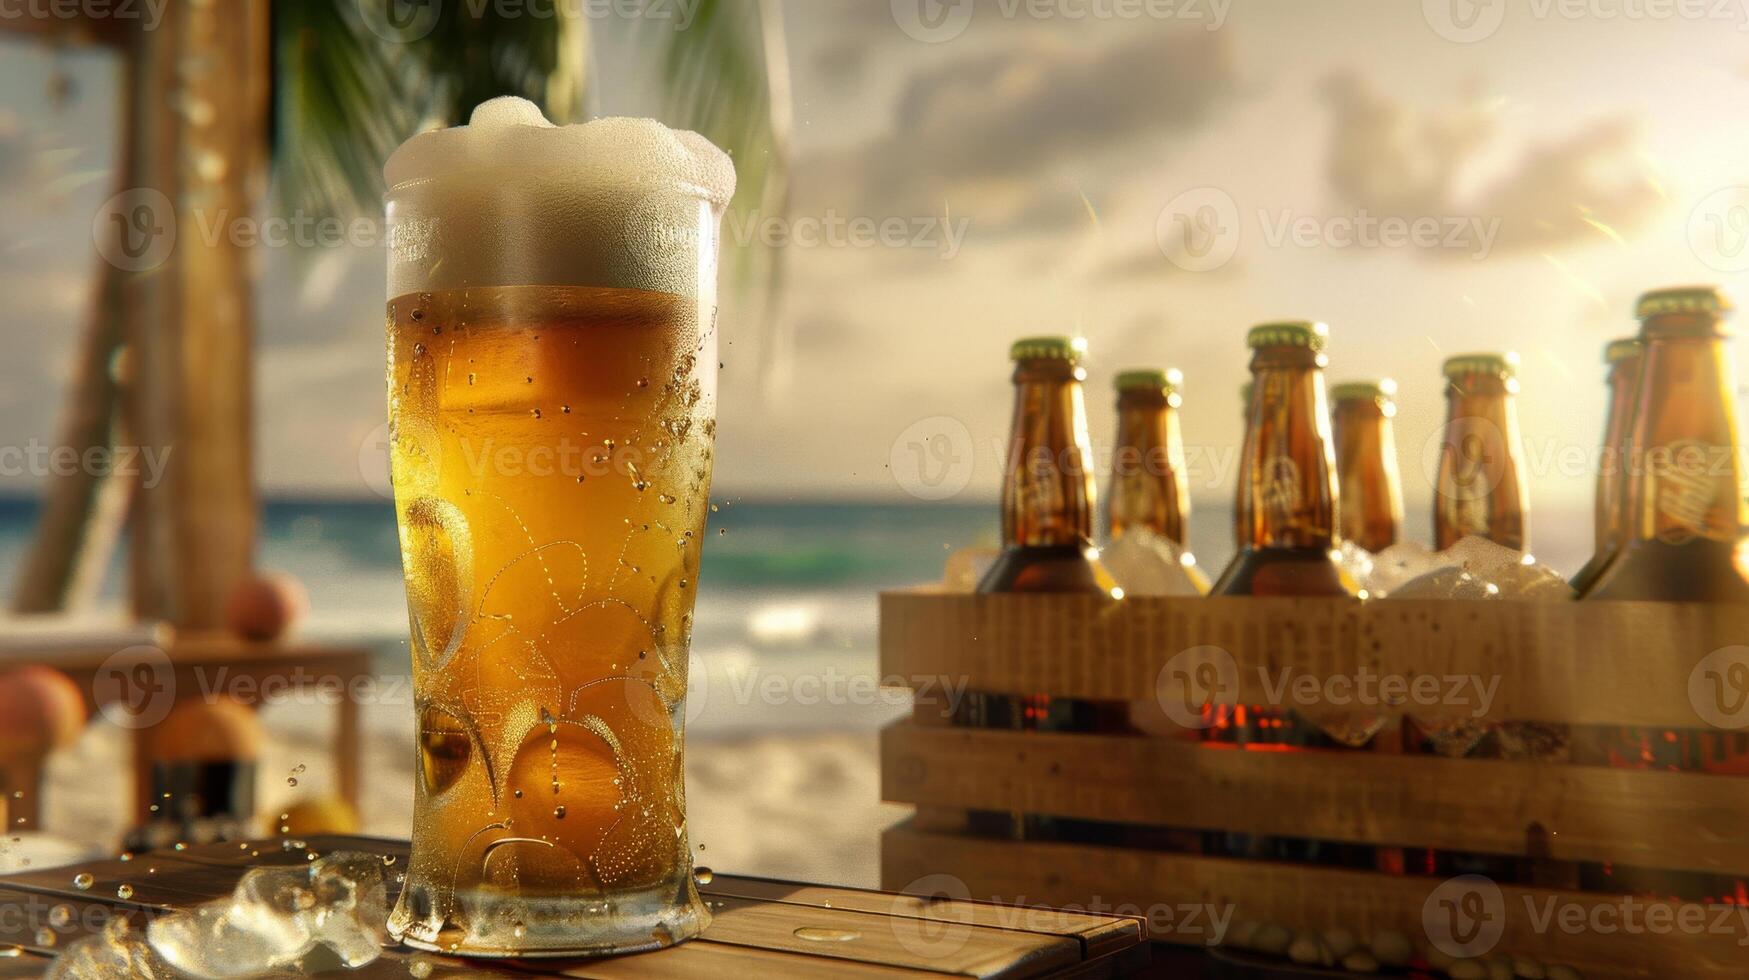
(1153, 176)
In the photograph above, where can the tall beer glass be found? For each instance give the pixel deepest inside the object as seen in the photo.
(552, 358)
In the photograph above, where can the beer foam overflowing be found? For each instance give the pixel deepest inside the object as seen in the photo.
(511, 199)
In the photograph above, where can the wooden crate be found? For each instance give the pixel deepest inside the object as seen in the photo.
(1579, 664)
(759, 927)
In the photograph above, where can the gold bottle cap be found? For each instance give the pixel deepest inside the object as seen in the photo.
(1292, 333)
(1620, 350)
(1149, 379)
(1048, 349)
(1497, 365)
(1363, 391)
(1705, 300)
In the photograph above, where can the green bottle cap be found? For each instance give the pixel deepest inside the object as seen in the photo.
(1048, 349)
(1363, 391)
(1495, 365)
(1621, 350)
(1293, 333)
(1149, 379)
(1684, 299)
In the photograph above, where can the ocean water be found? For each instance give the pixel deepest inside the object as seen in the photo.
(785, 630)
(786, 626)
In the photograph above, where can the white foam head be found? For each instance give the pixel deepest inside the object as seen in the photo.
(512, 200)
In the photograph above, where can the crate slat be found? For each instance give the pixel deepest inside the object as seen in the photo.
(1596, 663)
(1081, 876)
(1647, 819)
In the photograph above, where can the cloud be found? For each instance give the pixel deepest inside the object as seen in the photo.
(1394, 160)
(1000, 134)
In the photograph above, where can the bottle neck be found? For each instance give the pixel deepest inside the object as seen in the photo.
(1611, 517)
(1684, 479)
(1480, 489)
(1369, 486)
(1149, 489)
(1287, 474)
(1047, 493)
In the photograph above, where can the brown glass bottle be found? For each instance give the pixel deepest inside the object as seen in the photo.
(1686, 516)
(1150, 489)
(1047, 538)
(1623, 359)
(1047, 490)
(1480, 489)
(1287, 476)
(1369, 486)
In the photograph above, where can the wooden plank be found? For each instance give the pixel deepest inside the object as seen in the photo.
(786, 929)
(1099, 935)
(1602, 663)
(962, 949)
(1632, 817)
(1166, 885)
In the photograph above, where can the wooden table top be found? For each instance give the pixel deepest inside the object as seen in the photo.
(775, 928)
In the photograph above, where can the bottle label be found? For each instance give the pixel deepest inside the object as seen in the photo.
(1687, 477)
(1281, 488)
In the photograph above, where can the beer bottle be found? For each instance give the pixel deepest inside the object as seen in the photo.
(1047, 540)
(1623, 359)
(1686, 515)
(1287, 476)
(1047, 491)
(1369, 487)
(1241, 499)
(1480, 488)
(1149, 487)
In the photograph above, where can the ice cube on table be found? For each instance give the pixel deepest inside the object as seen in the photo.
(114, 953)
(278, 916)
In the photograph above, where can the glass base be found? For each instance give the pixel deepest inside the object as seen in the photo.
(500, 926)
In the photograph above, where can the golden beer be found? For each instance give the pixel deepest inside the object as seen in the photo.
(1369, 487)
(1687, 524)
(1287, 514)
(1150, 489)
(552, 419)
(1480, 488)
(1623, 358)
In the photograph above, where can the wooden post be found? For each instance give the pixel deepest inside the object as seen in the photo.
(203, 111)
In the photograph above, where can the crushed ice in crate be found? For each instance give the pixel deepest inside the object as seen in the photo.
(1476, 568)
(1144, 563)
(1473, 568)
(1397, 565)
(1357, 562)
(333, 909)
